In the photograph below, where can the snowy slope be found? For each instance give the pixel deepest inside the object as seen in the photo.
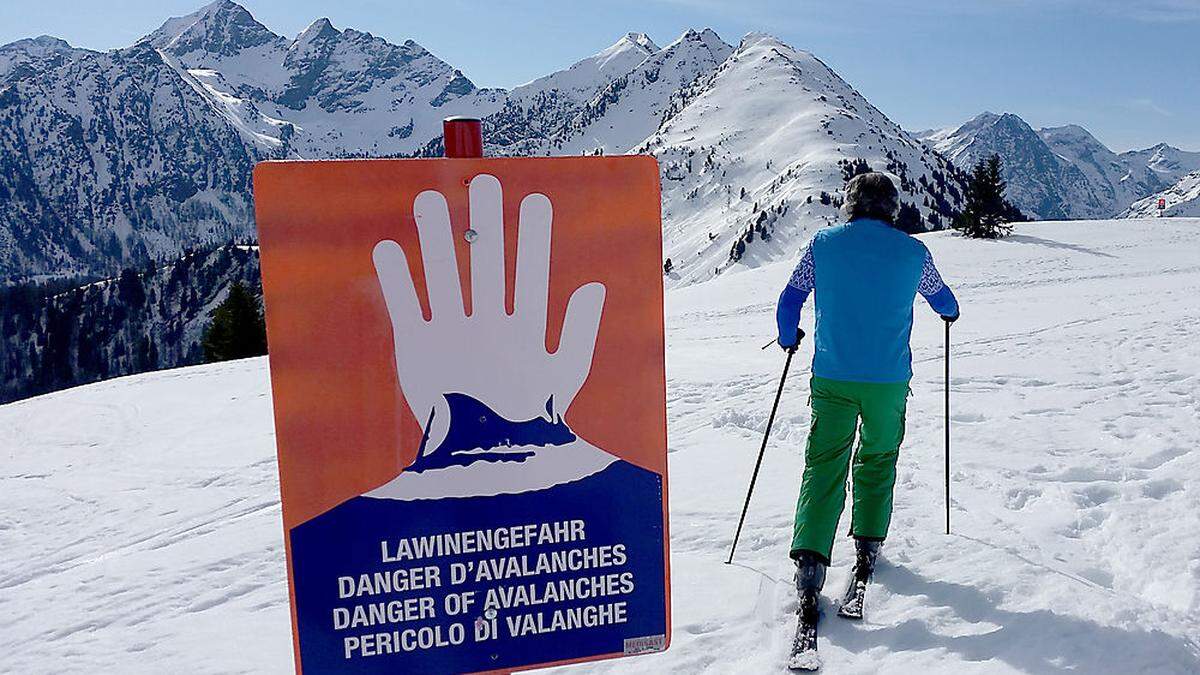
(632, 107)
(750, 149)
(537, 110)
(1182, 199)
(587, 76)
(692, 105)
(140, 522)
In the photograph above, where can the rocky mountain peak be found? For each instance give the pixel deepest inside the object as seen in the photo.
(222, 28)
(42, 44)
(636, 40)
(321, 29)
(20, 55)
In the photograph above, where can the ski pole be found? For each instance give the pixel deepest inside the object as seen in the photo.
(758, 464)
(948, 426)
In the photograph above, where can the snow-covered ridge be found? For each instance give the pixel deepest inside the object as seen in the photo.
(631, 107)
(755, 154)
(30, 51)
(332, 92)
(326, 93)
(1181, 199)
(1063, 172)
(755, 142)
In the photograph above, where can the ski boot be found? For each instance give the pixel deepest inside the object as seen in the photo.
(810, 577)
(867, 552)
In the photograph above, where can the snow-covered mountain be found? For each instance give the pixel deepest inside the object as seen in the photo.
(1121, 178)
(326, 93)
(1040, 182)
(1181, 199)
(29, 53)
(631, 107)
(755, 154)
(754, 143)
(112, 157)
(108, 159)
(219, 91)
(536, 111)
(1063, 172)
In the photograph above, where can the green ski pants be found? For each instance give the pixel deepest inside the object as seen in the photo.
(837, 407)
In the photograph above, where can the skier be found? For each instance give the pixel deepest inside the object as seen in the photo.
(865, 273)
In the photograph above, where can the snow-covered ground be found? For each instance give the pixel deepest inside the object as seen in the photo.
(140, 532)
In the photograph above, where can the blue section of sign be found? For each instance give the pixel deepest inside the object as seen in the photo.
(474, 427)
(621, 511)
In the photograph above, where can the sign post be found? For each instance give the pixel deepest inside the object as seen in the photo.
(462, 137)
(469, 388)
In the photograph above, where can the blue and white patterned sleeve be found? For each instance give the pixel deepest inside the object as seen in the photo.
(935, 291)
(787, 312)
(804, 278)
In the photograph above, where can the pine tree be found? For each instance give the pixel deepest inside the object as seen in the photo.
(908, 219)
(986, 213)
(237, 330)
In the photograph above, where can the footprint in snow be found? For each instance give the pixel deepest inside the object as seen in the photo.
(1160, 488)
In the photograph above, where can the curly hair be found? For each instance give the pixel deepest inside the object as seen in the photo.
(871, 195)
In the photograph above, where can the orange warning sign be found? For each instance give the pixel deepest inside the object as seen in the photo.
(467, 369)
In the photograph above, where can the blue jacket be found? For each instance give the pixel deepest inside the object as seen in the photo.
(865, 274)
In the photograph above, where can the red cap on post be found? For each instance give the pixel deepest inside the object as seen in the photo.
(463, 136)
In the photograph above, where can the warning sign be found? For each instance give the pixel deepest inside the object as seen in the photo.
(468, 378)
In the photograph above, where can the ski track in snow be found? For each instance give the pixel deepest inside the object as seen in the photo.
(139, 517)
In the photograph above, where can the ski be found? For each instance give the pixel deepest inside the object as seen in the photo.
(866, 553)
(804, 656)
(852, 603)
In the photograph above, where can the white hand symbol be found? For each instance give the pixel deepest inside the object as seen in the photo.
(496, 358)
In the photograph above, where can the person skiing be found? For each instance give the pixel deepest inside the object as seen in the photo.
(865, 274)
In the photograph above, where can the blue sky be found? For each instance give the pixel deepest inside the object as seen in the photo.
(1127, 70)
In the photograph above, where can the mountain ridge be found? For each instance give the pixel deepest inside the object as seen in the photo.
(1063, 171)
(243, 93)
(219, 91)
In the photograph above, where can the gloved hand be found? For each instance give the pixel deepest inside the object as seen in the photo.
(793, 345)
(950, 319)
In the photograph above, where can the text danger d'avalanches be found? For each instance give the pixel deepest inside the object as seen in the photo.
(458, 594)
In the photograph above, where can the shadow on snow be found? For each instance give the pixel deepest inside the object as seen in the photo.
(1040, 641)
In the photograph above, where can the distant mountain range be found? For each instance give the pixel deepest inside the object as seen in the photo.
(141, 158)
(1064, 172)
(116, 158)
(133, 155)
